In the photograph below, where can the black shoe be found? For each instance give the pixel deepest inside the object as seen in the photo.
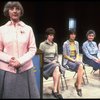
(60, 96)
(55, 94)
(79, 91)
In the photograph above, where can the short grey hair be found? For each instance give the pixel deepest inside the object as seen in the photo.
(90, 32)
(11, 4)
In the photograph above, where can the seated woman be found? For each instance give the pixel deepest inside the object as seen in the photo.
(91, 51)
(51, 66)
(71, 58)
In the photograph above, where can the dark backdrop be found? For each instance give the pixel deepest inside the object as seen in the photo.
(43, 14)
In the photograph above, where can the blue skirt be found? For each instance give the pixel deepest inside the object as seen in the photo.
(92, 63)
(73, 66)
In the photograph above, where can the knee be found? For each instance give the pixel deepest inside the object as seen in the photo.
(80, 67)
(57, 72)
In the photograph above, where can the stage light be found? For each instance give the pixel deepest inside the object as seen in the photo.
(72, 23)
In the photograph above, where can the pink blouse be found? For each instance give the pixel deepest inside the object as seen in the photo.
(19, 42)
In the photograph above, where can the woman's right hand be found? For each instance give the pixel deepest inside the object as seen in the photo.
(97, 60)
(14, 62)
(54, 61)
(11, 62)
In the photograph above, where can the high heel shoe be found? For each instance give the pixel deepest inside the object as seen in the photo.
(79, 91)
(57, 95)
(60, 96)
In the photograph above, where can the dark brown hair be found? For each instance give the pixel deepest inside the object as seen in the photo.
(50, 31)
(72, 31)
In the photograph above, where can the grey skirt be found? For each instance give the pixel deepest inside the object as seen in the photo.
(20, 85)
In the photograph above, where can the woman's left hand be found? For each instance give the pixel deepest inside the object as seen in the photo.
(78, 61)
(54, 61)
(14, 62)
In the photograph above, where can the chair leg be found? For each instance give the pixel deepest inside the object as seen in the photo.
(85, 74)
(75, 74)
(65, 81)
(99, 72)
(83, 80)
(92, 72)
(62, 84)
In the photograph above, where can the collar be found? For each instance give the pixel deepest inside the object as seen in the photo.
(71, 41)
(20, 23)
(90, 42)
(50, 43)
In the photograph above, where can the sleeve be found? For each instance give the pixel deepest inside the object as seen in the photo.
(56, 52)
(98, 51)
(41, 47)
(99, 46)
(77, 47)
(3, 56)
(31, 49)
(86, 52)
(77, 55)
(65, 53)
(64, 49)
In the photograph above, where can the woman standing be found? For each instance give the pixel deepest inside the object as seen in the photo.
(51, 66)
(71, 58)
(17, 47)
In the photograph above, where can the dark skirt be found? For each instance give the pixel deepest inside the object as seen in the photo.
(91, 63)
(49, 68)
(19, 86)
